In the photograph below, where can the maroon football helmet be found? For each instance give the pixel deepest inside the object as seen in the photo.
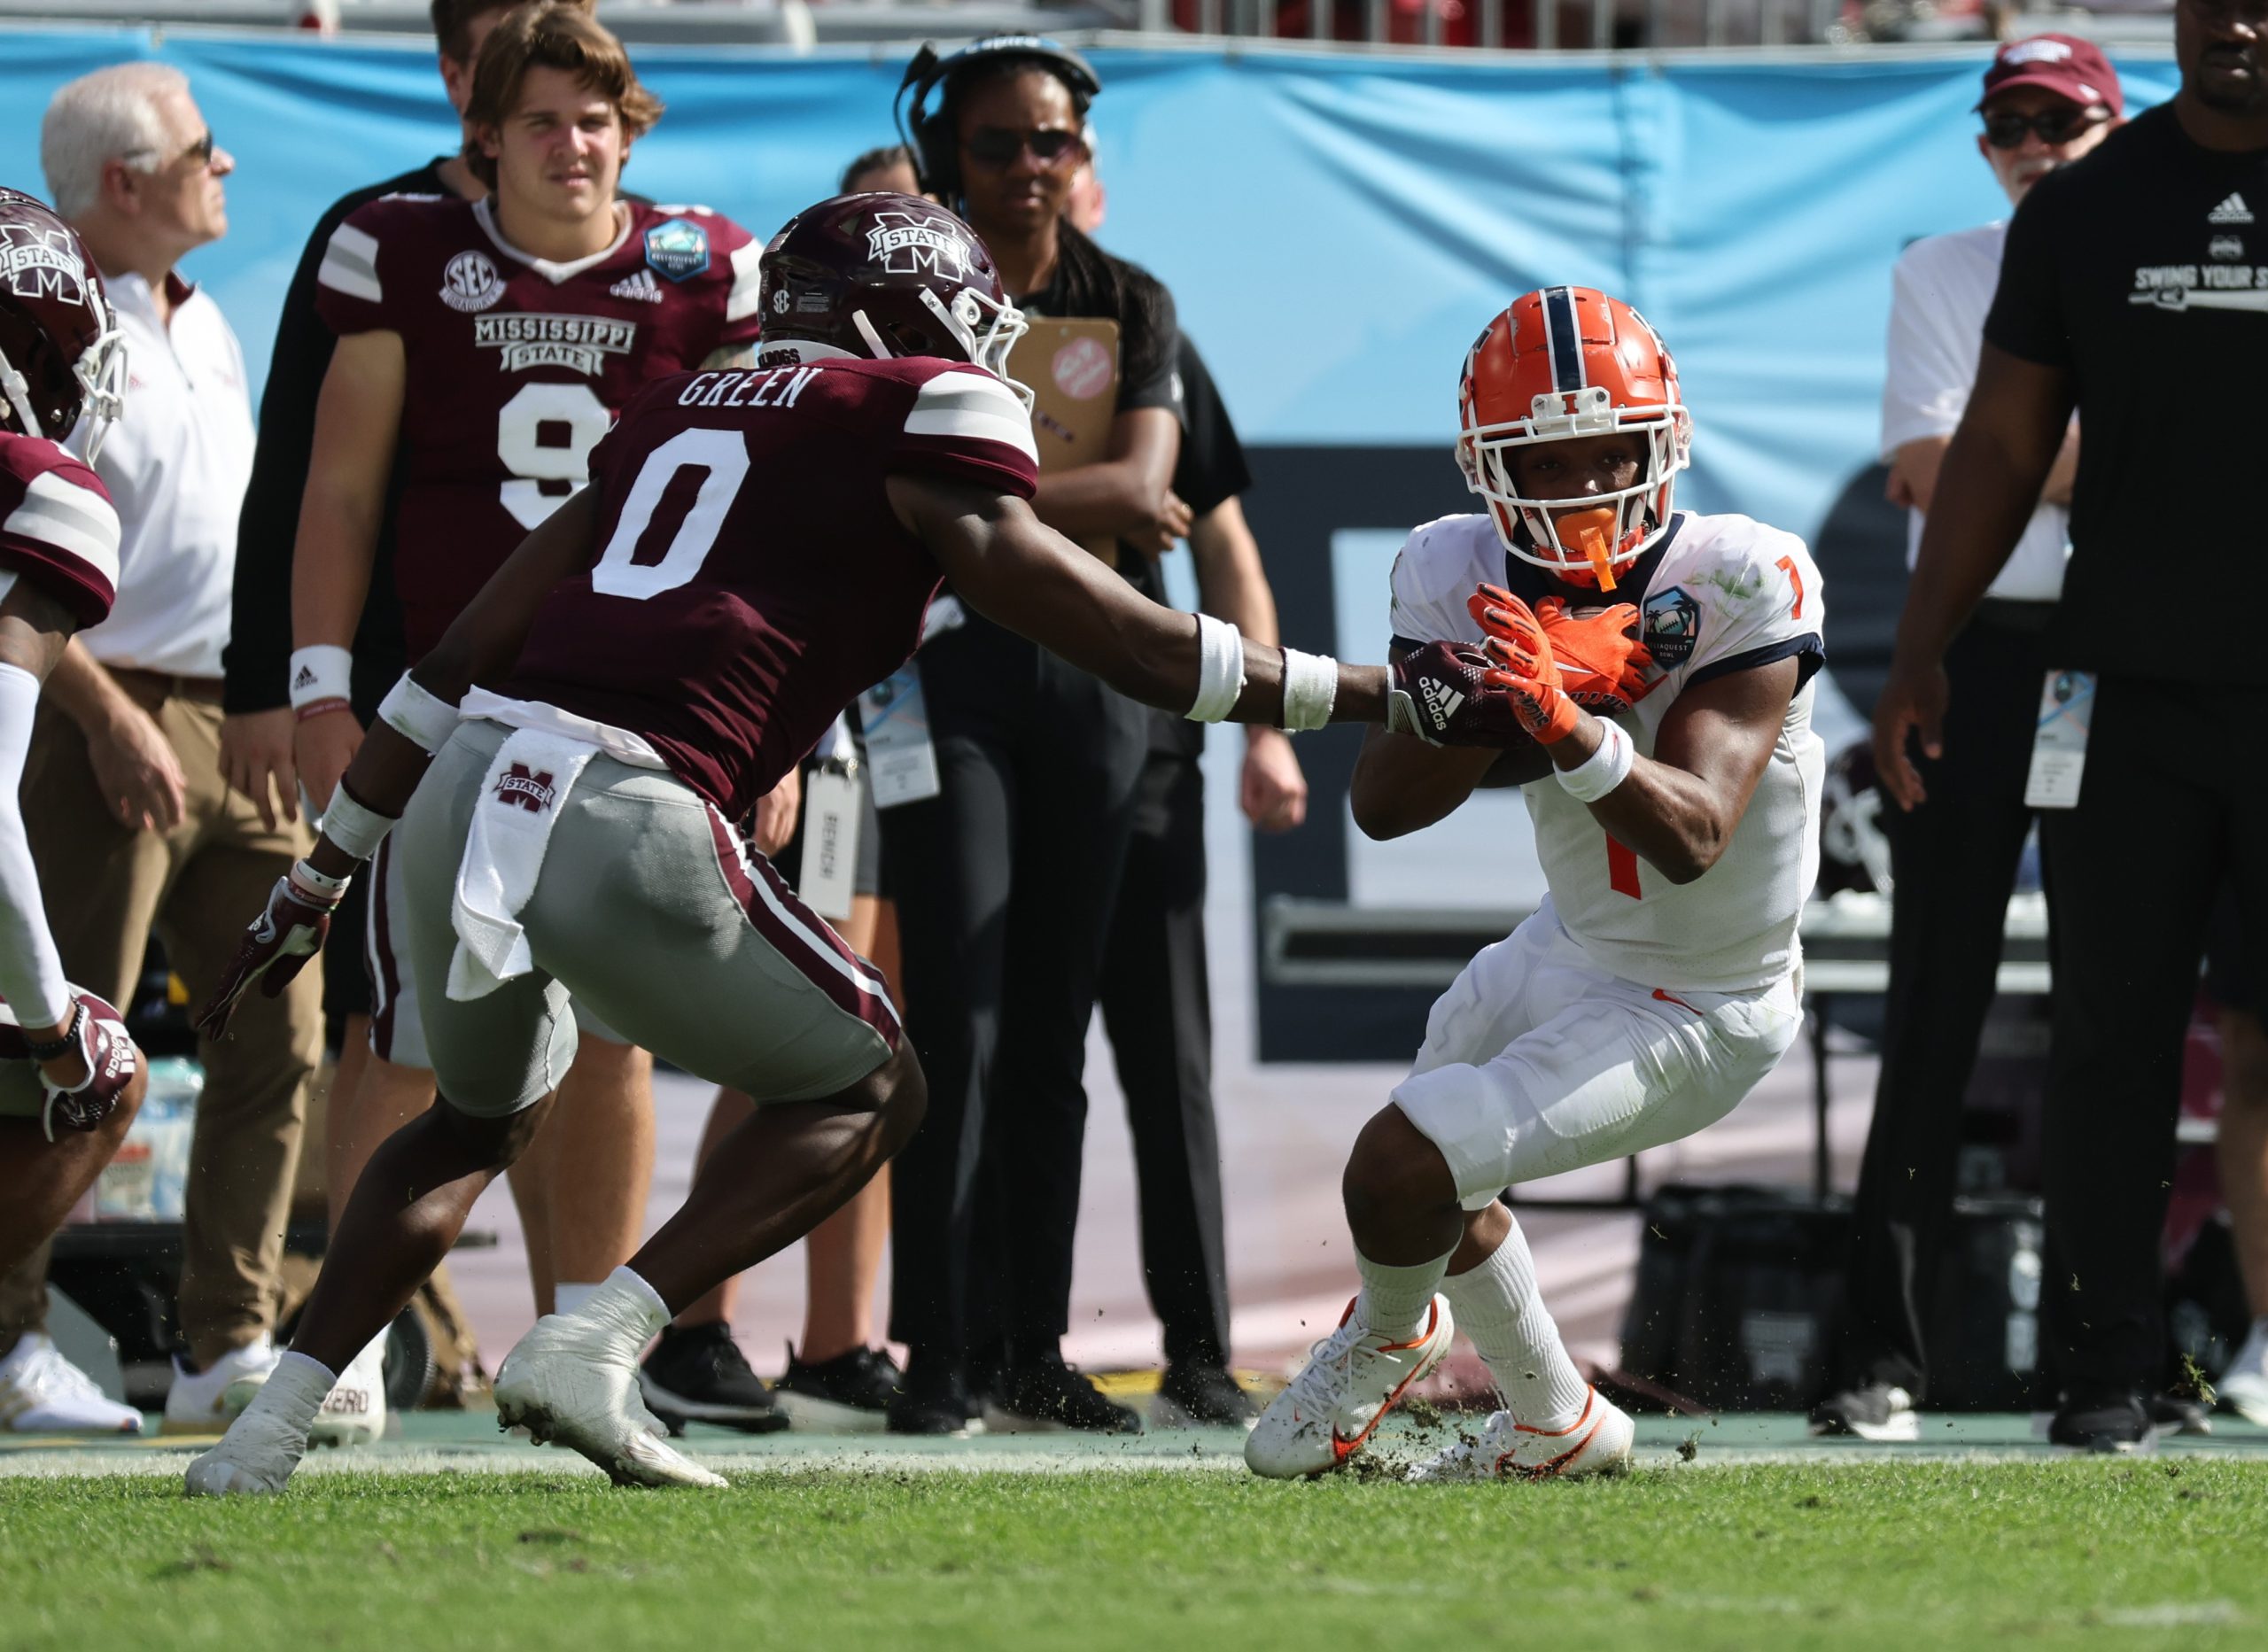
(60, 352)
(882, 275)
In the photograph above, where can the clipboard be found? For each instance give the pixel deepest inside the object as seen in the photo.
(1072, 367)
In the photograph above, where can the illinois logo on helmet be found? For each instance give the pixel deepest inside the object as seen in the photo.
(60, 350)
(1564, 362)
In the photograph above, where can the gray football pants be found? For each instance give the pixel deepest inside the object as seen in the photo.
(651, 910)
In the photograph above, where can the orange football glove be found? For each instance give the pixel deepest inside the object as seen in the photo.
(1602, 663)
(1517, 643)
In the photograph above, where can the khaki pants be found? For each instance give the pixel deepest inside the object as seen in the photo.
(106, 886)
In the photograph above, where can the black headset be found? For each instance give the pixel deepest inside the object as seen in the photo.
(929, 134)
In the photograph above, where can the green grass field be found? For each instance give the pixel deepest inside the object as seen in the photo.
(1869, 1552)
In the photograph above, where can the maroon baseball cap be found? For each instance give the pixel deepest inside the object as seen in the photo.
(2063, 64)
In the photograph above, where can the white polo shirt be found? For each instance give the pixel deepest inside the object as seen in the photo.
(1940, 292)
(176, 464)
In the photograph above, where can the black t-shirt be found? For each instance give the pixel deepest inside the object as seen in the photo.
(2142, 271)
(1211, 469)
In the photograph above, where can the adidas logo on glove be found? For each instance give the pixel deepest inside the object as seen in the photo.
(1441, 701)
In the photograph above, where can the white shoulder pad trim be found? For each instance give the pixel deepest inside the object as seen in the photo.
(743, 301)
(350, 265)
(59, 512)
(974, 407)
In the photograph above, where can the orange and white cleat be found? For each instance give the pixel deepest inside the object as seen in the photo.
(1597, 1442)
(1352, 1379)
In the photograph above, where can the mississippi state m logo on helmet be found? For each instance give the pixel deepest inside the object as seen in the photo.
(41, 263)
(905, 245)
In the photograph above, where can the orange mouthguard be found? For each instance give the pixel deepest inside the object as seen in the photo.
(1591, 532)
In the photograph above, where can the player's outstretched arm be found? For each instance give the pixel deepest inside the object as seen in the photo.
(357, 420)
(1985, 493)
(1403, 785)
(1008, 565)
(1014, 569)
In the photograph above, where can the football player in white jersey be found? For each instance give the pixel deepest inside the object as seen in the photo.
(1673, 782)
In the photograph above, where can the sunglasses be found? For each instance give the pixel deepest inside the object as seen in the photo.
(999, 146)
(2054, 125)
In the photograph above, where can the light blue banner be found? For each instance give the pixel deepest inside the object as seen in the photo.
(1336, 228)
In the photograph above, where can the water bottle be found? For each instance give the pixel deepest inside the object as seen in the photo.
(147, 1179)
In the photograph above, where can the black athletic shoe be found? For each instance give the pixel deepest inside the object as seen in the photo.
(1049, 1394)
(1869, 1411)
(2176, 1414)
(930, 1401)
(849, 1395)
(2119, 1423)
(1204, 1396)
(699, 1374)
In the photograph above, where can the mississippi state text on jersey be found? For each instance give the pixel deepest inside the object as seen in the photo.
(58, 529)
(516, 366)
(751, 578)
(1717, 594)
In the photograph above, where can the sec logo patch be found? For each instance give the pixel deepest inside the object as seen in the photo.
(469, 282)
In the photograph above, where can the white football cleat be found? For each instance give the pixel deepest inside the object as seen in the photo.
(1597, 1442)
(568, 1382)
(204, 1402)
(1352, 1379)
(42, 1392)
(254, 1458)
(2243, 1386)
(354, 1412)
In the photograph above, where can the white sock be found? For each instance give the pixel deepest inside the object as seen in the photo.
(1498, 1305)
(294, 1391)
(567, 1299)
(627, 1308)
(1395, 1299)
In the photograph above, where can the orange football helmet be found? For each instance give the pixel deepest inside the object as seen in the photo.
(1562, 363)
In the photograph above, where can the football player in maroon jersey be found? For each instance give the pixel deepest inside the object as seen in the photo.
(70, 1077)
(756, 545)
(484, 349)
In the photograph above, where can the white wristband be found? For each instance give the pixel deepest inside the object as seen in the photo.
(353, 827)
(1220, 670)
(1606, 768)
(317, 888)
(325, 671)
(1310, 690)
(424, 719)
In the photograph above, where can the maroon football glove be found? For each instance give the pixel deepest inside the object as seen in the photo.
(1452, 694)
(110, 1059)
(276, 945)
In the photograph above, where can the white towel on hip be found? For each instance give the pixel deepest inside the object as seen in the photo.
(520, 800)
